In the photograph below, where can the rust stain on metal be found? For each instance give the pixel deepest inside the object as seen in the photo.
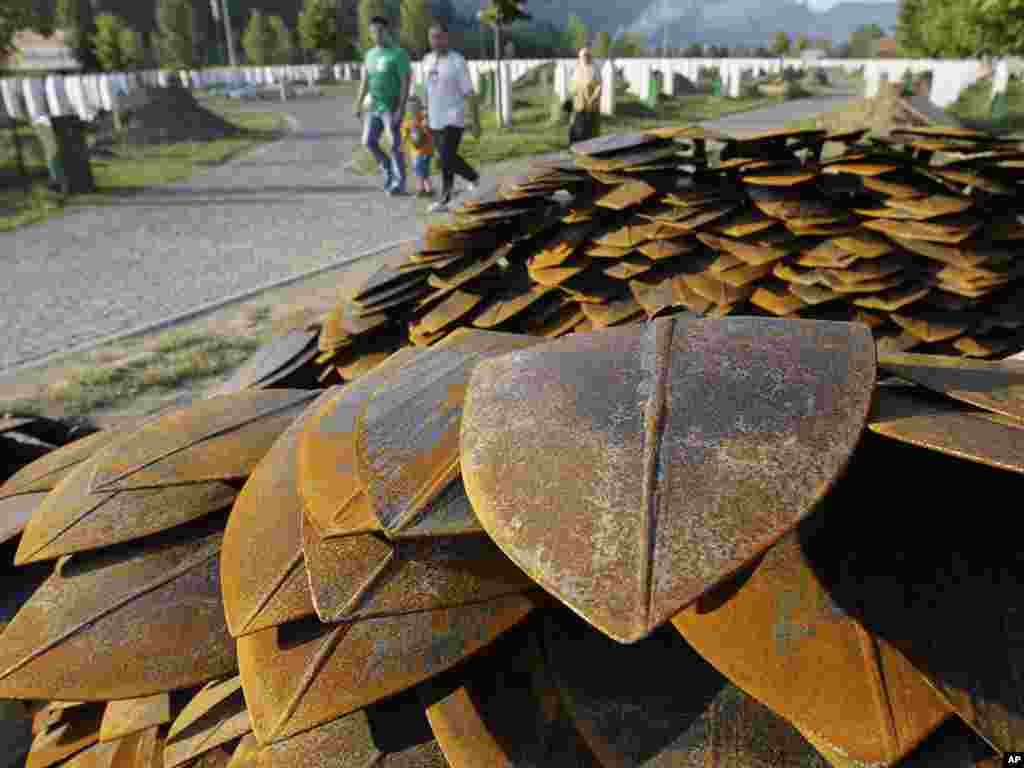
(130, 610)
(332, 495)
(214, 717)
(79, 730)
(407, 443)
(994, 440)
(297, 677)
(760, 416)
(72, 518)
(996, 386)
(46, 472)
(271, 588)
(129, 716)
(796, 647)
(216, 439)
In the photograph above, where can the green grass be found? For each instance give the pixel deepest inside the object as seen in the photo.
(133, 168)
(181, 359)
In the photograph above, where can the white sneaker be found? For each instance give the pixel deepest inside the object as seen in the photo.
(439, 207)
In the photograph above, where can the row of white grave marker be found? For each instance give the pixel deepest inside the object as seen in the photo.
(86, 95)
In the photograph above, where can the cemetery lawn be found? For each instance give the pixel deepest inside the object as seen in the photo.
(533, 133)
(128, 171)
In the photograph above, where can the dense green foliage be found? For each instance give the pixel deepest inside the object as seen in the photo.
(76, 18)
(175, 38)
(118, 47)
(961, 28)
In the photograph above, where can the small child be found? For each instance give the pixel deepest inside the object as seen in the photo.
(417, 135)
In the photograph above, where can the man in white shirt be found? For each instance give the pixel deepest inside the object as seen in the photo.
(449, 87)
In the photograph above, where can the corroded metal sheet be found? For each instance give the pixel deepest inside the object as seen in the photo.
(79, 731)
(906, 593)
(503, 709)
(332, 495)
(124, 752)
(74, 519)
(272, 362)
(390, 734)
(792, 648)
(658, 704)
(364, 576)
(44, 473)
(216, 439)
(994, 386)
(268, 590)
(301, 675)
(128, 716)
(997, 441)
(505, 306)
(678, 497)
(130, 610)
(216, 716)
(407, 444)
(16, 511)
(605, 146)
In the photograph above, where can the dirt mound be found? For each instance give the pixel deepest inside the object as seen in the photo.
(169, 115)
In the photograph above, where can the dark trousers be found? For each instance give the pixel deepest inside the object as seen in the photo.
(446, 142)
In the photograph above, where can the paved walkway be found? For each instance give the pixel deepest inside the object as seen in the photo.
(284, 209)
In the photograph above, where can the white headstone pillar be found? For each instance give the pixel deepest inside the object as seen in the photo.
(608, 88)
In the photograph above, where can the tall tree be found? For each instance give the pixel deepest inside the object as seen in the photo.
(415, 25)
(780, 44)
(603, 45)
(319, 29)
(282, 41)
(630, 45)
(174, 39)
(76, 18)
(863, 41)
(116, 44)
(802, 43)
(258, 39)
(577, 32)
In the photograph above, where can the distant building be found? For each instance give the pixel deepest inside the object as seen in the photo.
(35, 52)
(814, 54)
(887, 48)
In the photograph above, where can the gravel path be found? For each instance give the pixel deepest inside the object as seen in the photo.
(284, 209)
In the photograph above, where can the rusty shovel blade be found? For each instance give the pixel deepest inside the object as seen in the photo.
(214, 717)
(702, 441)
(304, 674)
(272, 588)
(147, 617)
(128, 716)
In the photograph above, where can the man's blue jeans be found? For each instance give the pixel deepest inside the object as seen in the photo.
(394, 168)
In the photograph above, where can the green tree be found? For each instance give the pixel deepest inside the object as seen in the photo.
(603, 45)
(16, 15)
(118, 46)
(415, 24)
(577, 34)
(319, 30)
(693, 51)
(630, 45)
(174, 39)
(780, 44)
(282, 41)
(258, 39)
(75, 17)
(802, 43)
(863, 41)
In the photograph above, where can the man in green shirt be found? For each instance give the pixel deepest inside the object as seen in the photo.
(387, 74)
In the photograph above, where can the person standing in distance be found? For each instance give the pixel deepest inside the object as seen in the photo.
(449, 87)
(387, 75)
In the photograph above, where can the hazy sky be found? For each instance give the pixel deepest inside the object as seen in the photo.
(824, 5)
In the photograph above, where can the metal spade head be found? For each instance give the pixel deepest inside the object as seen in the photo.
(994, 386)
(128, 716)
(271, 588)
(303, 674)
(43, 474)
(703, 442)
(216, 439)
(658, 704)
(214, 717)
(66, 737)
(332, 495)
(408, 431)
(390, 734)
(792, 649)
(148, 617)
(275, 364)
(365, 576)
